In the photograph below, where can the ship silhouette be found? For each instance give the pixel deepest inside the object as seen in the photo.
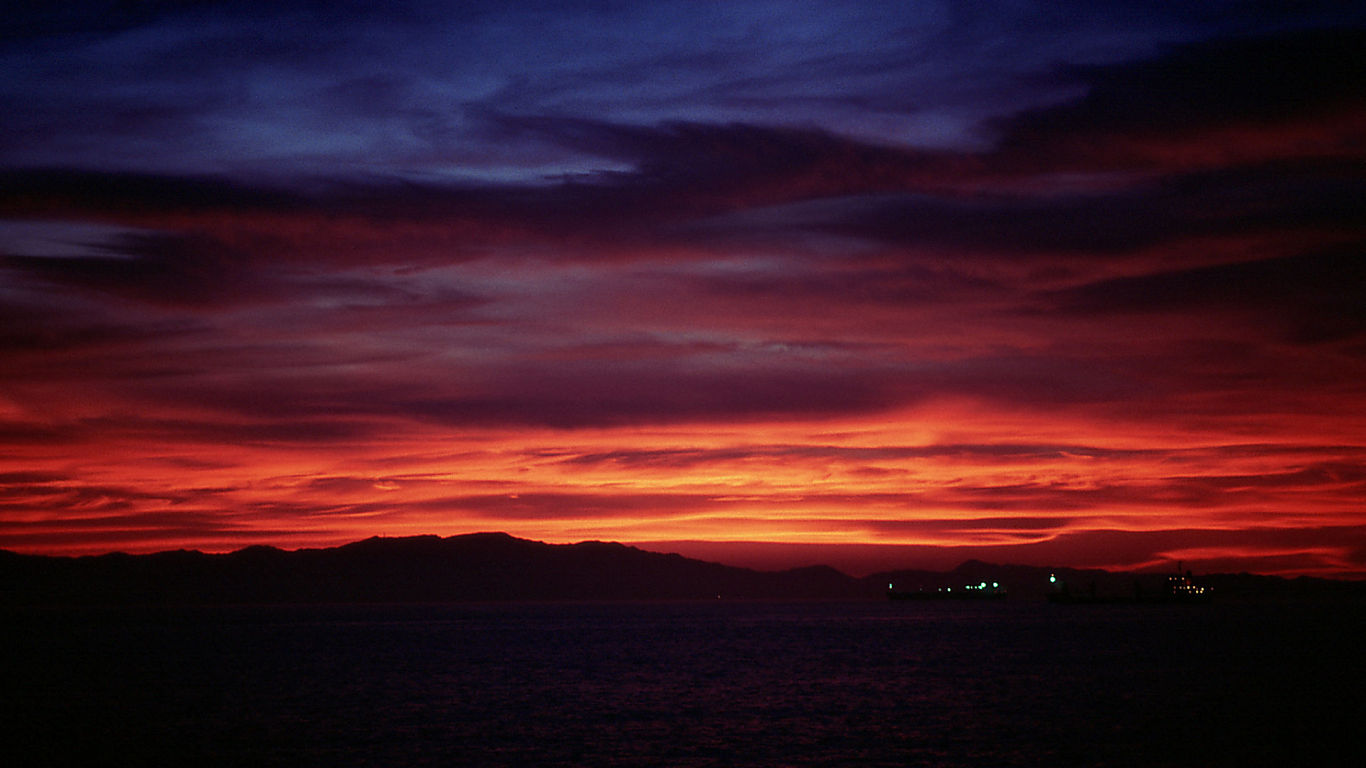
(1177, 588)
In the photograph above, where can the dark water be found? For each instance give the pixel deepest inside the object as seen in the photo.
(693, 684)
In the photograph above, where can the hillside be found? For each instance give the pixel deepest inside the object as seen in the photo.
(474, 567)
(498, 567)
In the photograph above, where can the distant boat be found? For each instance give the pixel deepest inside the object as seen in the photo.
(980, 591)
(1178, 588)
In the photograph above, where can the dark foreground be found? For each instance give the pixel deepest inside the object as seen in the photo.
(686, 684)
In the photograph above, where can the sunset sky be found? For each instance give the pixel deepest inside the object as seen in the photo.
(771, 283)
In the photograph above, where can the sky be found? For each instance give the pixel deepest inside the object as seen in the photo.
(869, 284)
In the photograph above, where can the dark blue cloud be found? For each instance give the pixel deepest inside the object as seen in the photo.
(361, 88)
(1296, 75)
(1311, 297)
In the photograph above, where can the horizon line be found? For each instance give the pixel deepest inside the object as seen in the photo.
(643, 546)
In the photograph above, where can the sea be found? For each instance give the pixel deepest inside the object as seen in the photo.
(715, 683)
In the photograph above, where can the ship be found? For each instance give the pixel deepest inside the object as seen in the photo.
(1181, 589)
(981, 591)
(1178, 588)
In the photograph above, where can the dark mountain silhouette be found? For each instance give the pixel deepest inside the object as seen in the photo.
(499, 567)
(474, 567)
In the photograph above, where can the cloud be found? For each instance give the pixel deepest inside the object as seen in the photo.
(1205, 104)
(696, 167)
(1310, 297)
(690, 458)
(579, 395)
(1318, 550)
(40, 191)
(153, 269)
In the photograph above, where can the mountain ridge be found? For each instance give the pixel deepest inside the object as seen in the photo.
(496, 567)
